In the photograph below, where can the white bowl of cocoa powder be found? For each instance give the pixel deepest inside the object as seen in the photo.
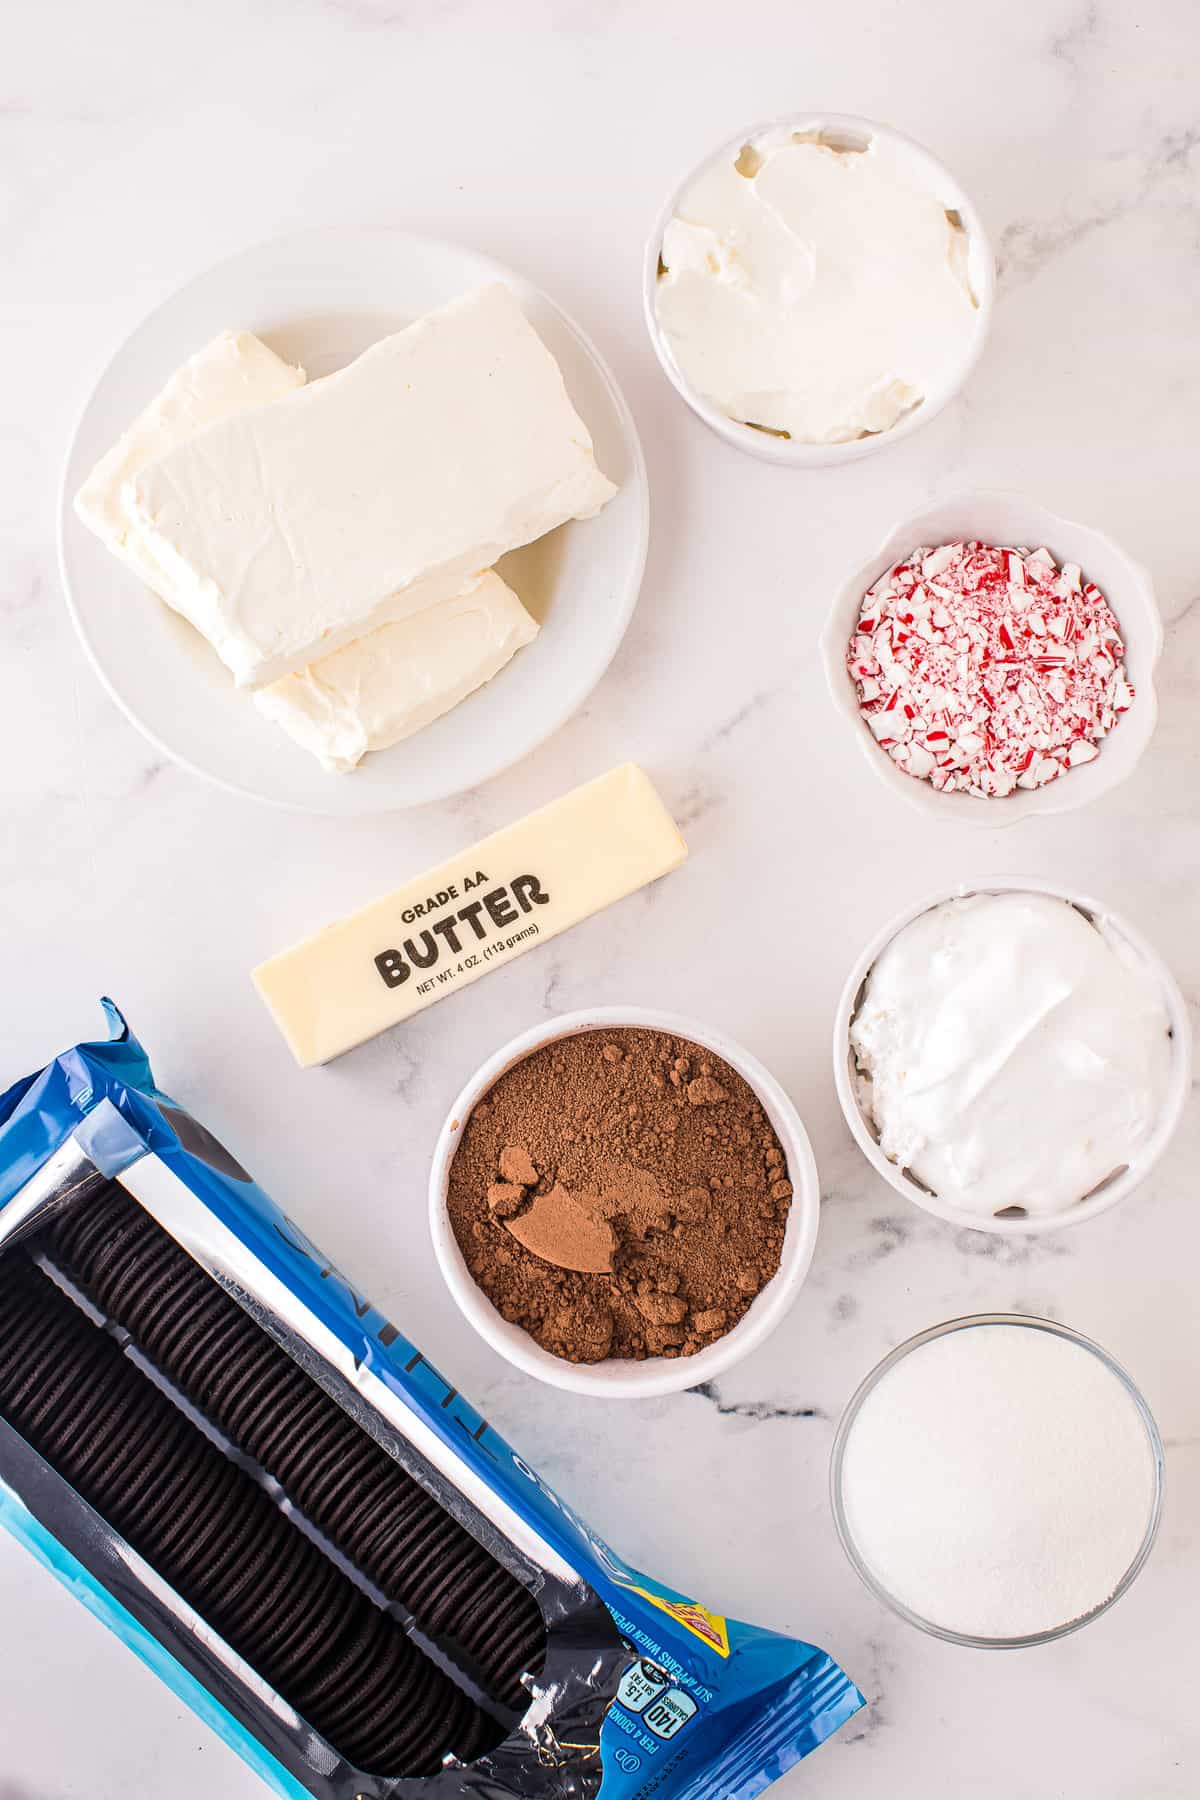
(623, 1202)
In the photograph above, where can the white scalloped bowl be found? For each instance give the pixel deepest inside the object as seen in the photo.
(998, 517)
(1110, 1193)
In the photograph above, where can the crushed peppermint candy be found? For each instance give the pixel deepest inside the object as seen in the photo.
(981, 668)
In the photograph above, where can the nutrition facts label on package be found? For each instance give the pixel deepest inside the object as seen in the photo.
(645, 1689)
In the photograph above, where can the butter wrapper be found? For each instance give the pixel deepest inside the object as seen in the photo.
(443, 930)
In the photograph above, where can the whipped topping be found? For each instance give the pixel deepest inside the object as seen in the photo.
(1012, 1053)
(820, 293)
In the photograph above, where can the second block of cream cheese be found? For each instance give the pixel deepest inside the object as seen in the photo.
(234, 373)
(400, 677)
(373, 494)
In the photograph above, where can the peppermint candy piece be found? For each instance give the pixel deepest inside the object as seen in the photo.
(983, 668)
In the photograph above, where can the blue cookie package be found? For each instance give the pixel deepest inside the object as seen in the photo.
(631, 1689)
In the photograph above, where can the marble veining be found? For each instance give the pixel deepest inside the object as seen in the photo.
(1024, 248)
(756, 1410)
(137, 146)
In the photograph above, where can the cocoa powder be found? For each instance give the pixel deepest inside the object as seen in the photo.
(620, 1194)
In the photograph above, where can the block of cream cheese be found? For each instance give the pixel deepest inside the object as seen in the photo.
(370, 694)
(233, 374)
(368, 496)
(401, 677)
(445, 929)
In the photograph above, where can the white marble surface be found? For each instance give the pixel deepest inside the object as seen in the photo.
(139, 143)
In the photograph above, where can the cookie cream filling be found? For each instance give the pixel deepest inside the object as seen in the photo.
(1011, 1052)
(817, 292)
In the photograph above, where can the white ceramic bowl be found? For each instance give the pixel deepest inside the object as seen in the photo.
(849, 130)
(1111, 1192)
(623, 1378)
(1007, 518)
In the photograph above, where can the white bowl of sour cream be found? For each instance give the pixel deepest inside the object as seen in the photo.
(819, 288)
(1011, 1057)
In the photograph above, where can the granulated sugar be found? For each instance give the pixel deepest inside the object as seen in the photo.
(998, 1481)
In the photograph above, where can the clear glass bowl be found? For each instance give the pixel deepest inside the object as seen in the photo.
(868, 1576)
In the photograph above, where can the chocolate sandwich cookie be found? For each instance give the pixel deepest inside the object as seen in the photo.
(359, 1497)
(173, 1320)
(207, 1354)
(249, 1374)
(512, 1642)
(439, 1598)
(377, 1734)
(307, 1621)
(208, 1530)
(410, 1567)
(173, 1521)
(271, 1416)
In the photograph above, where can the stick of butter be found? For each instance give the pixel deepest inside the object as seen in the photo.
(481, 909)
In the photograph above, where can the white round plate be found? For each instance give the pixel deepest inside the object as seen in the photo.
(320, 298)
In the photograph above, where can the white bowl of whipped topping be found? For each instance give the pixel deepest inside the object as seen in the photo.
(818, 288)
(1011, 1057)
(1048, 694)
